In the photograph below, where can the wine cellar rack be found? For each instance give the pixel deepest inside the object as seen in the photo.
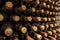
(29, 20)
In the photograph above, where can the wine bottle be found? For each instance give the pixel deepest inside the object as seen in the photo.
(58, 30)
(15, 18)
(31, 10)
(53, 2)
(51, 13)
(47, 12)
(48, 2)
(36, 2)
(45, 19)
(29, 18)
(36, 19)
(22, 8)
(38, 36)
(56, 8)
(2, 17)
(40, 11)
(49, 19)
(48, 6)
(43, 4)
(22, 29)
(29, 37)
(58, 36)
(49, 32)
(52, 38)
(51, 25)
(44, 34)
(9, 5)
(54, 31)
(34, 28)
(54, 35)
(41, 27)
(31, 27)
(54, 13)
(53, 19)
(7, 29)
(46, 26)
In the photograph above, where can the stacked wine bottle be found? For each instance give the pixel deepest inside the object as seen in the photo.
(29, 20)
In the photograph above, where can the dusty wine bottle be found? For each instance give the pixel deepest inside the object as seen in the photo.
(7, 29)
(51, 25)
(23, 29)
(36, 2)
(29, 38)
(2, 17)
(22, 8)
(8, 5)
(58, 30)
(40, 11)
(49, 19)
(36, 19)
(49, 32)
(46, 27)
(38, 36)
(8, 32)
(48, 6)
(54, 31)
(51, 13)
(52, 38)
(47, 12)
(53, 2)
(15, 18)
(34, 28)
(56, 8)
(44, 34)
(29, 18)
(43, 4)
(31, 10)
(53, 19)
(54, 13)
(41, 27)
(44, 19)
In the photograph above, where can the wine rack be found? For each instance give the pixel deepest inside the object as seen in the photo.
(29, 20)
